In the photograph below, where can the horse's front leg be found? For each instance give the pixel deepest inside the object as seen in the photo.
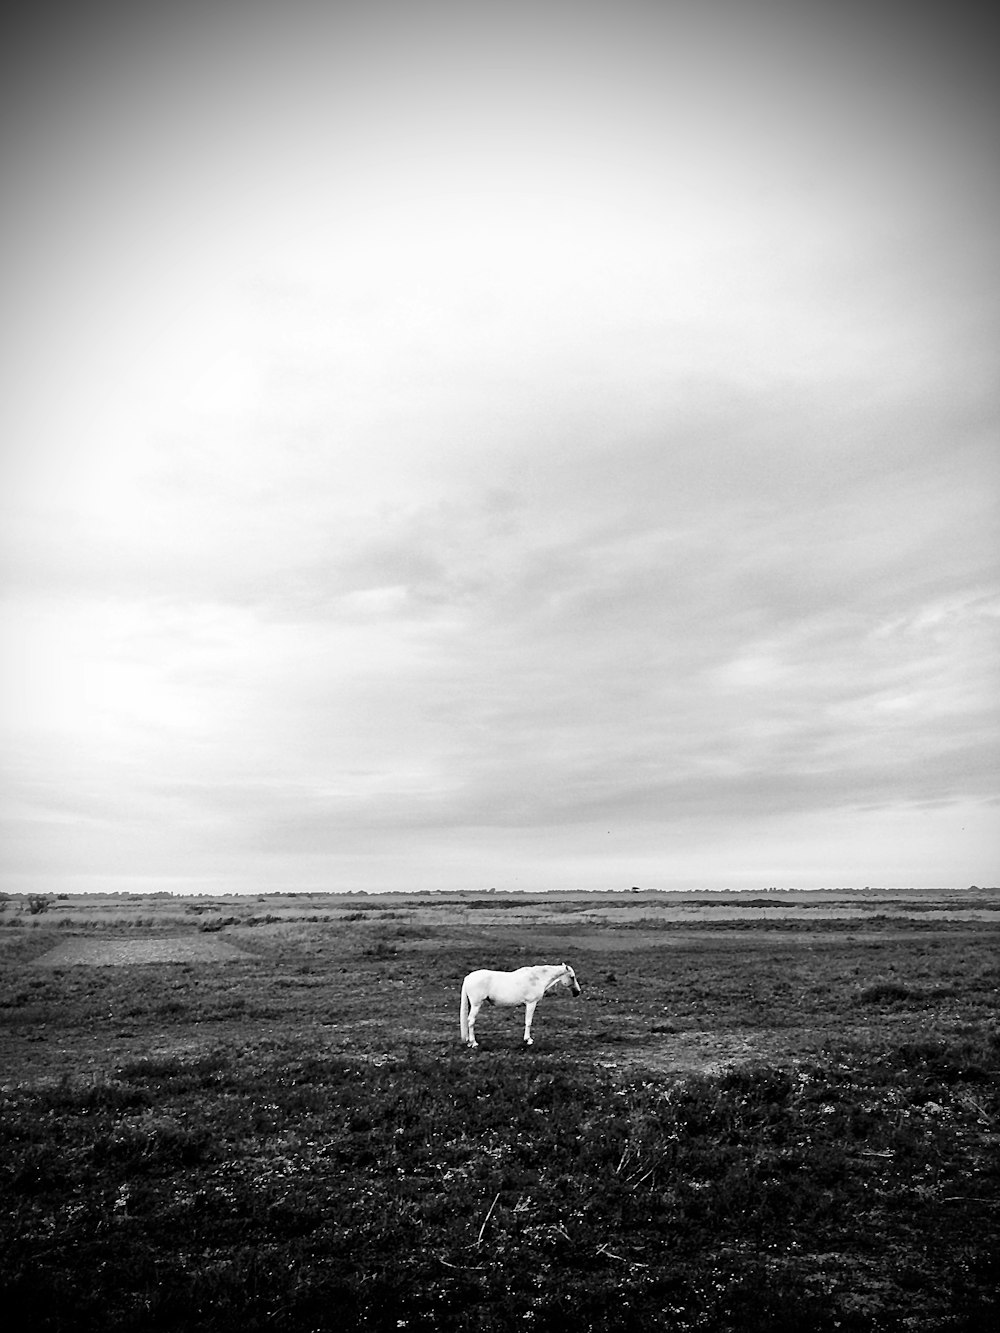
(529, 1013)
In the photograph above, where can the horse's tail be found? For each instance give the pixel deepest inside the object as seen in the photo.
(463, 1013)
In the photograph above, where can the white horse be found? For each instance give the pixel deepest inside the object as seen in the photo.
(525, 986)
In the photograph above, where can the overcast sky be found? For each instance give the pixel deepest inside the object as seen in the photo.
(519, 444)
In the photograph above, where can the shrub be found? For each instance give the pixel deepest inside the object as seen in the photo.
(882, 992)
(380, 950)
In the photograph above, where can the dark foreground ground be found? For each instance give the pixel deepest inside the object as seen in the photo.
(256, 1115)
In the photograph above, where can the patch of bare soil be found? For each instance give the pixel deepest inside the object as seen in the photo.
(705, 1052)
(122, 953)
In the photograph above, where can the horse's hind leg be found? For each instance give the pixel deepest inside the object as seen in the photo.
(529, 1013)
(473, 1011)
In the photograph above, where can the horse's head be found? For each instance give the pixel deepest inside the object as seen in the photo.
(570, 979)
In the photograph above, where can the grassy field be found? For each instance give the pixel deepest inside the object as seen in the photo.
(769, 1112)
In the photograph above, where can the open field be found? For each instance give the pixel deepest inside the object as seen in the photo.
(773, 1111)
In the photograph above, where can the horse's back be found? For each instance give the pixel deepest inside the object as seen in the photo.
(504, 987)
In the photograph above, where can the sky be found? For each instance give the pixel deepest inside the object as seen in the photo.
(520, 445)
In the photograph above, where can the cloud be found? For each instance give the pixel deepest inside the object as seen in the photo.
(472, 433)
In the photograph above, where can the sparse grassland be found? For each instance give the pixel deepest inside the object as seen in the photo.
(770, 1122)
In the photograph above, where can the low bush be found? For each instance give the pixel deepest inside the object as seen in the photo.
(884, 992)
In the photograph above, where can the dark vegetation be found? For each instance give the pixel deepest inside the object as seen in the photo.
(295, 1142)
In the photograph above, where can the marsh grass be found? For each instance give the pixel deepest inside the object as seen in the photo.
(293, 1141)
(234, 1191)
